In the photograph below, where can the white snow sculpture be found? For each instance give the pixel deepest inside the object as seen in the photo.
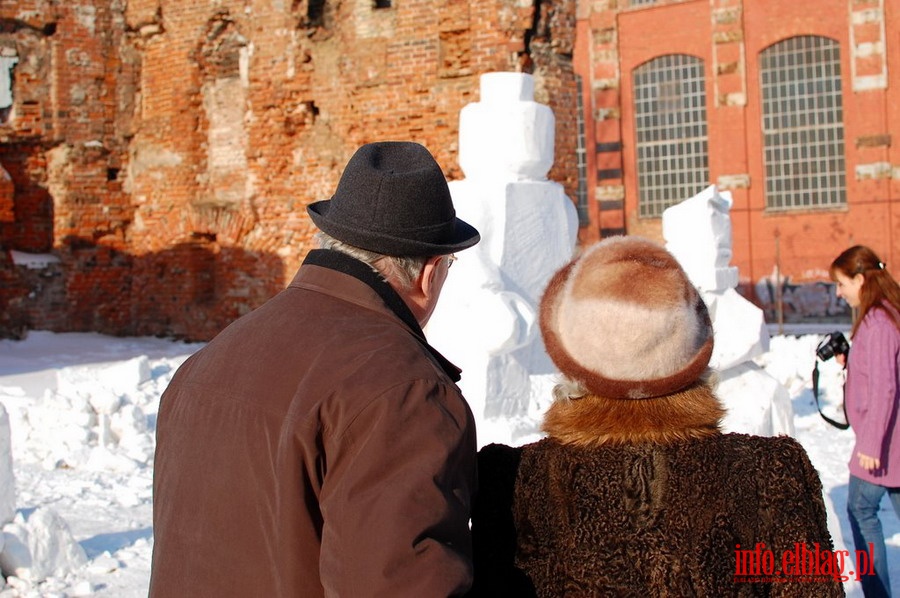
(485, 321)
(698, 233)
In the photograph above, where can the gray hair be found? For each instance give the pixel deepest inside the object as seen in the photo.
(568, 389)
(404, 270)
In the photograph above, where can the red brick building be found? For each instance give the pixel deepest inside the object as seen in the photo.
(787, 105)
(164, 151)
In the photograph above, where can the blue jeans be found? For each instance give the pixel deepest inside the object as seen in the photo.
(863, 499)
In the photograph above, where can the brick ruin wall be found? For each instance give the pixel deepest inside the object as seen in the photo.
(162, 152)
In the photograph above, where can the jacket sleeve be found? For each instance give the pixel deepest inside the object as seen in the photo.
(493, 526)
(397, 494)
(791, 508)
(880, 398)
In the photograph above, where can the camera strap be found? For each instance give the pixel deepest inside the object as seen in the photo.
(815, 385)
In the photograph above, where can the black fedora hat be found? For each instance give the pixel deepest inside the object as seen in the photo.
(393, 199)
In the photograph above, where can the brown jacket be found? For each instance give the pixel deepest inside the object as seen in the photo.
(316, 446)
(646, 498)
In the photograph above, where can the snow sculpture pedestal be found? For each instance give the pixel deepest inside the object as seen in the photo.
(485, 321)
(698, 234)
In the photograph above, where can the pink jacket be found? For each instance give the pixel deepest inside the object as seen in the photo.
(873, 395)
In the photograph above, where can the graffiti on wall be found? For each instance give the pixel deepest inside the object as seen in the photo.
(813, 302)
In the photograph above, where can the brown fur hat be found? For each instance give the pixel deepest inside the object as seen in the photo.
(624, 320)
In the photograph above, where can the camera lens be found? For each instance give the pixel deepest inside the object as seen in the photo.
(824, 351)
(833, 344)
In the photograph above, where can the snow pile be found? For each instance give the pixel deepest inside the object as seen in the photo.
(76, 456)
(7, 478)
(33, 261)
(40, 546)
(95, 417)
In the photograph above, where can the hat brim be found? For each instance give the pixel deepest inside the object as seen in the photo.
(387, 243)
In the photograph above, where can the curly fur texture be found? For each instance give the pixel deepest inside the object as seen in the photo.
(645, 519)
(593, 421)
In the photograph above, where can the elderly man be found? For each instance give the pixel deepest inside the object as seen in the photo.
(319, 446)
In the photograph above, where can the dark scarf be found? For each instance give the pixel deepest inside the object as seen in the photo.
(341, 262)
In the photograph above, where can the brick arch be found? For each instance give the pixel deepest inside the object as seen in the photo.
(787, 38)
(646, 62)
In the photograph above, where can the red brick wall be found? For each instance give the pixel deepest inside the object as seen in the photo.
(728, 35)
(165, 151)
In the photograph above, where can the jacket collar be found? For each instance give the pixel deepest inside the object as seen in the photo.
(592, 421)
(341, 262)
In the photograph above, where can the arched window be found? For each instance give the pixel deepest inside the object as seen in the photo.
(803, 124)
(670, 125)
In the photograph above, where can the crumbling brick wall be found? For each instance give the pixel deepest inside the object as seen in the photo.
(62, 149)
(165, 151)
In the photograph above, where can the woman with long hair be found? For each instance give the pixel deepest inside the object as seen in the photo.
(872, 398)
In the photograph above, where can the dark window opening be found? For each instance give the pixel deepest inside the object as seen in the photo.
(382, 4)
(311, 108)
(203, 237)
(315, 12)
(112, 174)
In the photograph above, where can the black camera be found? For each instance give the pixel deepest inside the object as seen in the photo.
(833, 344)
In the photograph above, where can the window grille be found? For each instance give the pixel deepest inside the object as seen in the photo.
(802, 124)
(670, 122)
(581, 193)
(641, 2)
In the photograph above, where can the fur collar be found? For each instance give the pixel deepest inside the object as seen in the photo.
(592, 421)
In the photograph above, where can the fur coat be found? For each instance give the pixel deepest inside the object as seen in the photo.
(645, 498)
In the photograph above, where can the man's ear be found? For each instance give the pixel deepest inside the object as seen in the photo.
(425, 281)
(421, 296)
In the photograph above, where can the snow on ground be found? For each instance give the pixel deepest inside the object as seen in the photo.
(82, 411)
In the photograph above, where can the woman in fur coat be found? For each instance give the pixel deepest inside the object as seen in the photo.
(635, 491)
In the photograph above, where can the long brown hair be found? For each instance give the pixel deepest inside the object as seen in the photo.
(878, 285)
